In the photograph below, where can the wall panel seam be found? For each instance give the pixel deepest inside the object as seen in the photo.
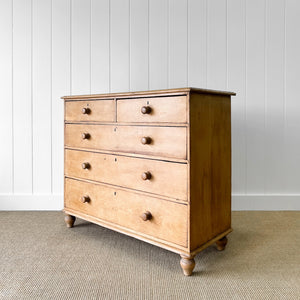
(129, 44)
(227, 73)
(207, 42)
(90, 61)
(187, 42)
(109, 45)
(245, 108)
(51, 95)
(265, 86)
(148, 13)
(168, 44)
(12, 98)
(71, 41)
(31, 91)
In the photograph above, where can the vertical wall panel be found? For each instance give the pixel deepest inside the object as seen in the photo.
(158, 44)
(60, 85)
(197, 43)
(216, 47)
(178, 43)
(237, 82)
(41, 96)
(6, 114)
(292, 122)
(139, 45)
(119, 46)
(81, 47)
(51, 48)
(100, 46)
(255, 96)
(22, 95)
(275, 43)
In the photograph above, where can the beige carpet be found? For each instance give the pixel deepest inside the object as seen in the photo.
(41, 259)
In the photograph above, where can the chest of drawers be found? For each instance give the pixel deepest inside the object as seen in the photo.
(153, 165)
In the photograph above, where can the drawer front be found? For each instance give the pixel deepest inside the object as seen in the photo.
(101, 110)
(158, 177)
(164, 141)
(168, 222)
(162, 109)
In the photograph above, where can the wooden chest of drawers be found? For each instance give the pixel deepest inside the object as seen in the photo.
(154, 165)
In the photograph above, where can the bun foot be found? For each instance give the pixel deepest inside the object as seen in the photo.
(69, 220)
(221, 244)
(187, 264)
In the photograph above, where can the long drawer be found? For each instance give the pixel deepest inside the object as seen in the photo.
(157, 109)
(161, 219)
(158, 177)
(162, 141)
(91, 110)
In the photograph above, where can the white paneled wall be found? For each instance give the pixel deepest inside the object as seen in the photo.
(51, 48)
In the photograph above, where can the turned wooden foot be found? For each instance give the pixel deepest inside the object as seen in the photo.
(69, 220)
(221, 244)
(187, 264)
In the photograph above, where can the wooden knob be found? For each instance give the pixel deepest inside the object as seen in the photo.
(146, 175)
(86, 111)
(86, 166)
(85, 199)
(146, 216)
(85, 136)
(146, 140)
(146, 110)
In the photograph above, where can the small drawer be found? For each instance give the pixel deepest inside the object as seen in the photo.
(148, 175)
(161, 219)
(150, 110)
(96, 110)
(152, 140)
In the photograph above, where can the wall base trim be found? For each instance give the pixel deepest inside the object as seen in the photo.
(31, 202)
(266, 202)
(239, 202)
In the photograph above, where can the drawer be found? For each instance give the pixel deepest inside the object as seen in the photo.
(162, 141)
(101, 110)
(160, 109)
(153, 176)
(168, 222)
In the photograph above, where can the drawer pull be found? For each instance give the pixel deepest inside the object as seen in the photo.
(86, 166)
(146, 140)
(85, 199)
(86, 111)
(146, 175)
(85, 136)
(146, 216)
(146, 110)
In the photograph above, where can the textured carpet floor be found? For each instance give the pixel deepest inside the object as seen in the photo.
(41, 259)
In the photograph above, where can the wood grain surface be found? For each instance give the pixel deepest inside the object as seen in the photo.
(167, 178)
(168, 222)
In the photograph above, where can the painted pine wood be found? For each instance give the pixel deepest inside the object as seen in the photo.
(275, 105)
(80, 47)
(100, 46)
(216, 44)
(139, 45)
(291, 156)
(119, 46)
(197, 43)
(158, 44)
(6, 100)
(22, 96)
(236, 78)
(41, 89)
(255, 97)
(178, 13)
(61, 83)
